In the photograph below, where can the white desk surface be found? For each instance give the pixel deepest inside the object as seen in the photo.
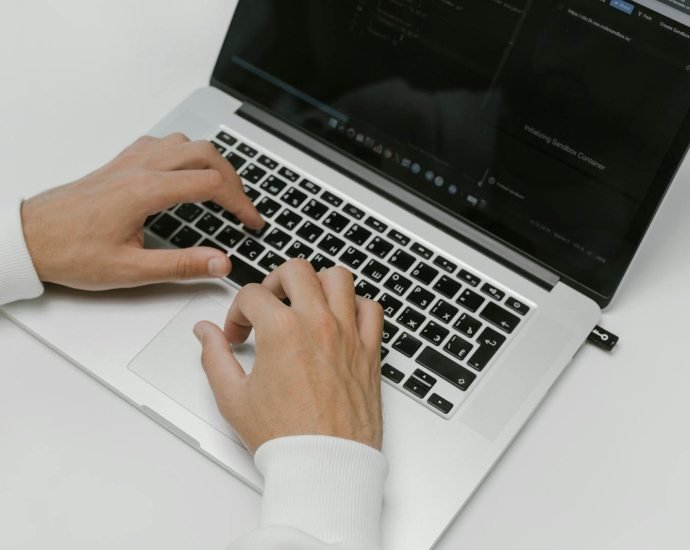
(604, 463)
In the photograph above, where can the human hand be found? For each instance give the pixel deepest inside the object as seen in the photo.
(89, 234)
(318, 363)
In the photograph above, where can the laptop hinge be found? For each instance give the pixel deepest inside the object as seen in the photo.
(405, 198)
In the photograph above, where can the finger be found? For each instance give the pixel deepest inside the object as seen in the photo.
(339, 290)
(370, 323)
(222, 369)
(161, 190)
(157, 266)
(297, 281)
(254, 306)
(200, 155)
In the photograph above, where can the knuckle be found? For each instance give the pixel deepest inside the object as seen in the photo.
(298, 265)
(207, 355)
(179, 136)
(215, 178)
(342, 274)
(204, 148)
(183, 267)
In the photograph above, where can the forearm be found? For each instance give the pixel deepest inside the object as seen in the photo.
(18, 278)
(320, 493)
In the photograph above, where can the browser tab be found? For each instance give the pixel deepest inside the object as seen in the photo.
(623, 6)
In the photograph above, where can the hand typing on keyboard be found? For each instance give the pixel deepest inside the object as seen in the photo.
(317, 369)
(89, 234)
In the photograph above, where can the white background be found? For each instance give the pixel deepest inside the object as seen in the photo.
(603, 464)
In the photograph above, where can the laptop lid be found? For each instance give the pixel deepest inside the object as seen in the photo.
(553, 126)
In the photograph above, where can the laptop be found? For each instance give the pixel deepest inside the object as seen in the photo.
(486, 169)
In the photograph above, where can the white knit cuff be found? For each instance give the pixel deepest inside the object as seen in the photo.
(328, 487)
(18, 277)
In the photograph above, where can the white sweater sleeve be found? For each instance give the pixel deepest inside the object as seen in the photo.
(320, 493)
(18, 278)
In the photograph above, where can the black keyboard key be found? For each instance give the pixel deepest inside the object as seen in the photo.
(253, 173)
(277, 239)
(271, 261)
(398, 284)
(273, 185)
(321, 263)
(470, 279)
(252, 193)
(459, 347)
(407, 344)
(389, 331)
(424, 273)
(315, 209)
(411, 319)
(219, 147)
(424, 377)
(353, 257)
(209, 224)
(331, 244)
(375, 271)
(446, 368)
(231, 217)
(471, 300)
(500, 317)
(230, 236)
(150, 219)
(336, 222)
(246, 150)
(212, 244)
(267, 162)
(186, 238)
(243, 274)
(489, 343)
(402, 260)
(357, 234)
(422, 251)
(447, 286)
(165, 226)
(268, 207)
(310, 186)
(226, 138)
(444, 264)
(188, 212)
(288, 174)
(310, 232)
(353, 211)
(366, 290)
(494, 292)
(379, 247)
(294, 197)
(444, 311)
(439, 403)
(469, 326)
(421, 297)
(331, 199)
(517, 306)
(376, 224)
(384, 353)
(251, 249)
(236, 160)
(392, 373)
(416, 387)
(288, 219)
(299, 250)
(390, 305)
(258, 233)
(399, 238)
(434, 333)
(213, 207)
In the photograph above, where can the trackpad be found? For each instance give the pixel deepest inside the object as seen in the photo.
(171, 361)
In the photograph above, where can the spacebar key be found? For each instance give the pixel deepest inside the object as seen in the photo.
(242, 273)
(445, 368)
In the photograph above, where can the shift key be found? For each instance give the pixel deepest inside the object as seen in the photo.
(448, 370)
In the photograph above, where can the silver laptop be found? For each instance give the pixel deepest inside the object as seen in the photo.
(487, 171)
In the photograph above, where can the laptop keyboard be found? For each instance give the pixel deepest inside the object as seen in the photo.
(445, 323)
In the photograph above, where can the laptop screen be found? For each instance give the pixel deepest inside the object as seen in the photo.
(554, 125)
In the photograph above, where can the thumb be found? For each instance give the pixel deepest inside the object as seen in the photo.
(222, 369)
(157, 266)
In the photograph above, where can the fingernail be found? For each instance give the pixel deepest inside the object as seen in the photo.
(199, 332)
(217, 267)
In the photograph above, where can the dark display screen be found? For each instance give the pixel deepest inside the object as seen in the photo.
(554, 125)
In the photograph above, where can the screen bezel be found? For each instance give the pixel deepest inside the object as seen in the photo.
(630, 244)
